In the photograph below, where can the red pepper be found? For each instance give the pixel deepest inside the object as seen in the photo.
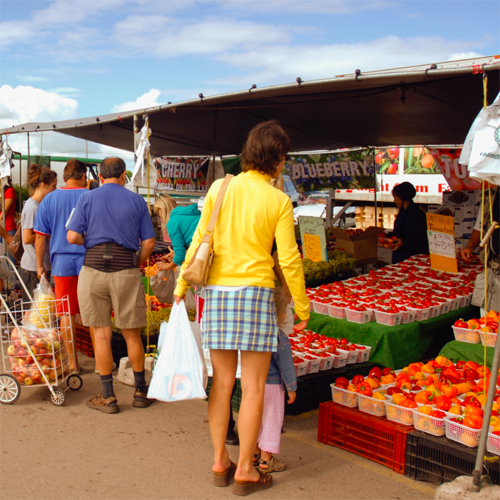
(357, 379)
(393, 390)
(443, 403)
(375, 373)
(460, 364)
(342, 382)
(460, 323)
(472, 401)
(387, 371)
(438, 414)
(364, 389)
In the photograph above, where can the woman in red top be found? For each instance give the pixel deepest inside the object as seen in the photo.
(9, 194)
(10, 207)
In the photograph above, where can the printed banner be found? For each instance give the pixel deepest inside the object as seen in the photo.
(315, 172)
(182, 174)
(456, 175)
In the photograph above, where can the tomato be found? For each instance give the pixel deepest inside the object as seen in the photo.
(379, 158)
(393, 168)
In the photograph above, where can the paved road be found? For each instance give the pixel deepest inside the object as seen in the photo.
(162, 452)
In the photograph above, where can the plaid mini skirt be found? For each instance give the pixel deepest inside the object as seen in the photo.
(241, 320)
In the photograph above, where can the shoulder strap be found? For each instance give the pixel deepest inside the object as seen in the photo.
(218, 203)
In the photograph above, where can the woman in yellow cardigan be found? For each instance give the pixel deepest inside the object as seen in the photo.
(239, 311)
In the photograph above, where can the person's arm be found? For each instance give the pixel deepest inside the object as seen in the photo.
(40, 245)
(29, 236)
(474, 241)
(284, 360)
(291, 263)
(6, 236)
(281, 278)
(75, 238)
(8, 205)
(147, 248)
(178, 244)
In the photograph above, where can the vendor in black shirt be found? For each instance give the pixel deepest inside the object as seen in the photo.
(410, 226)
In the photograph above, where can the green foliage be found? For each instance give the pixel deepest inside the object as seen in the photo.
(339, 262)
(25, 195)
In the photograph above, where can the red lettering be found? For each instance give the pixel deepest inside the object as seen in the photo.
(422, 189)
(443, 187)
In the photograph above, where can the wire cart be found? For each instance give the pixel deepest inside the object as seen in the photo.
(34, 347)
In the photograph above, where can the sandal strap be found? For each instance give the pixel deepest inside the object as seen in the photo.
(263, 479)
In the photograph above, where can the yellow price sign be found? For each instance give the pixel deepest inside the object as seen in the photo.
(312, 247)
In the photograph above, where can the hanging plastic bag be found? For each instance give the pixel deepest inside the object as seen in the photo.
(180, 373)
(43, 310)
(163, 285)
(484, 161)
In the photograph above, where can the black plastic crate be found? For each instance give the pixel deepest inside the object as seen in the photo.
(439, 460)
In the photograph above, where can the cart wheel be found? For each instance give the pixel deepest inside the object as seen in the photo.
(10, 390)
(59, 397)
(74, 382)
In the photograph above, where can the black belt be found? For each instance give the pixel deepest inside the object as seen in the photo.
(110, 258)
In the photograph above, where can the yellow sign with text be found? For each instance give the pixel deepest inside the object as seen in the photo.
(441, 236)
(312, 247)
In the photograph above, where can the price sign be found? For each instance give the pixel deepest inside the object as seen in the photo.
(441, 236)
(312, 233)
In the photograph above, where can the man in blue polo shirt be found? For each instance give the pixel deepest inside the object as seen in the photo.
(113, 224)
(66, 259)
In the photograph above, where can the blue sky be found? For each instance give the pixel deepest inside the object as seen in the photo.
(61, 59)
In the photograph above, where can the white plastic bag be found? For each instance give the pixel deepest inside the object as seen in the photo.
(484, 161)
(180, 372)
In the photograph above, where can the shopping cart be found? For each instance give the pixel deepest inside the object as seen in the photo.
(34, 347)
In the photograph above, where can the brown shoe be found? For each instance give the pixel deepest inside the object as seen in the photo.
(222, 478)
(141, 399)
(108, 405)
(244, 488)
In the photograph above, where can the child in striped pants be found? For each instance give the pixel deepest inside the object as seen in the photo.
(281, 374)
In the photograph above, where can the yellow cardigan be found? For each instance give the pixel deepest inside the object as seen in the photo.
(252, 215)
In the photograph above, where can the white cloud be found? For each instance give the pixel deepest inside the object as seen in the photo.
(285, 62)
(147, 100)
(168, 37)
(463, 55)
(24, 104)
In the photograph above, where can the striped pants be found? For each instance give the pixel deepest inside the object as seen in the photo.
(272, 418)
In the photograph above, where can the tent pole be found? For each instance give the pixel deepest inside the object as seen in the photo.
(135, 131)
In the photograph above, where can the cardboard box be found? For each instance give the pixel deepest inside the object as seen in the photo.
(455, 198)
(360, 246)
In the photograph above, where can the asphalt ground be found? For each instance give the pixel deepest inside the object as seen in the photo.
(163, 452)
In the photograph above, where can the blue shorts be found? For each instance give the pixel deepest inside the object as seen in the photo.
(67, 264)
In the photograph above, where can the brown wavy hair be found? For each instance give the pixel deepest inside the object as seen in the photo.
(267, 145)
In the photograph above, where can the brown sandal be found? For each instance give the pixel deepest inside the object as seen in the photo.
(222, 478)
(244, 488)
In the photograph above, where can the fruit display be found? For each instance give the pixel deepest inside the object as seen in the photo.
(438, 397)
(398, 294)
(338, 263)
(474, 330)
(313, 352)
(31, 346)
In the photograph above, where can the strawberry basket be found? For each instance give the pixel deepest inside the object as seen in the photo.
(388, 319)
(466, 335)
(398, 413)
(461, 433)
(371, 405)
(359, 317)
(344, 397)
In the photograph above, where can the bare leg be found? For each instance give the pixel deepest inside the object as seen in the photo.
(68, 328)
(135, 349)
(219, 401)
(91, 331)
(254, 369)
(102, 348)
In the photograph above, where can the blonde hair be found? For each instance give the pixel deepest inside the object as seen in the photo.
(278, 183)
(164, 204)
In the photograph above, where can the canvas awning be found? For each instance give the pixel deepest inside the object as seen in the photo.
(428, 104)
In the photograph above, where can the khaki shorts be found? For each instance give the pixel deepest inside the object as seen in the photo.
(123, 291)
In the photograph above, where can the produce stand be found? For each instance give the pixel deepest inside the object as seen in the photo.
(394, 346)
(456, 351)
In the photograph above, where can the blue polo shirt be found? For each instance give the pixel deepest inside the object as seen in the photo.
(112, 214)
(51, 218)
